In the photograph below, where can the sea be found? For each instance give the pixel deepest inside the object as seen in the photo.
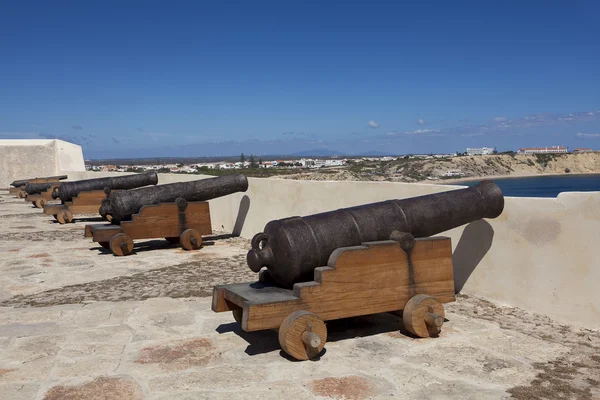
(544, 186)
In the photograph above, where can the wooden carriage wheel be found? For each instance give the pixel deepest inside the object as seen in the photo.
(40, 203)
(121, 244)
(21, 194)
(423, 316)
(64, 217)
(190, 239)
(302, 335)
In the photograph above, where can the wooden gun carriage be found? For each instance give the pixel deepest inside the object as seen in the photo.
(177, 222)
(372, 278)
(84, 203)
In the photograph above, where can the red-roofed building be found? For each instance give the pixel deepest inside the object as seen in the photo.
(543, 150)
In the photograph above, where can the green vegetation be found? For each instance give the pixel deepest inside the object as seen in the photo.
(544, 159)
(250, 172)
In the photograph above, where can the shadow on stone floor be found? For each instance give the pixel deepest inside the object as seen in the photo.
(261, 342)
(157, 244)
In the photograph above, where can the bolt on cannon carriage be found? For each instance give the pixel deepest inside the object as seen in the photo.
(373, 258)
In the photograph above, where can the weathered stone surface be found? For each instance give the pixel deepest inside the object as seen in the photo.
(101, 388)
(225, 376)
(347, 387)
(179, 355)
(18, 391)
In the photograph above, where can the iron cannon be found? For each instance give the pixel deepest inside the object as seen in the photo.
(23, 182)
(66, 191)
(120, 206)
(37, 188)
(291, 248)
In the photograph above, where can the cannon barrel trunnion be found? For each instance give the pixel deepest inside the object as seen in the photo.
(67, 190)
(292, 248)
(120, 206)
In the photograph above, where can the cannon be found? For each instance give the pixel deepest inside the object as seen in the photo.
(120, 206)
(23, 182)
(39, 193)
(37, 188)
(178, 212)
(292, 248)
(370, 259)
(66, 191)
(19, 185)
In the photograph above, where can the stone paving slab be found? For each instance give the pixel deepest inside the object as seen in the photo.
(77, 323)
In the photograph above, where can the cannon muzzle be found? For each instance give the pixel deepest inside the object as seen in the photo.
(120, 206)
(67, 190)
(292, 248)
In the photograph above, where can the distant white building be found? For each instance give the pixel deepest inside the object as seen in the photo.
(332, 163)
(307, 163)
(479, 151)
(542, 150)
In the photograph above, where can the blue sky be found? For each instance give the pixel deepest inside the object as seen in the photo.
(195, 78)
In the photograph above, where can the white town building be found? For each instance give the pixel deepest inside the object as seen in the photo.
(542, 150)
(479, 151)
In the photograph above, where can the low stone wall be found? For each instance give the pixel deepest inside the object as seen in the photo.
(24, 159)
(540, 254)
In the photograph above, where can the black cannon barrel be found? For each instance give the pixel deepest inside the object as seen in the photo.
(23, 182)
(121, 205)
(67, 190)
(36, 188)
(291, 248)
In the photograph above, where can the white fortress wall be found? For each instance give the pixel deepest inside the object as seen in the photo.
(540, 254)
(36, 158)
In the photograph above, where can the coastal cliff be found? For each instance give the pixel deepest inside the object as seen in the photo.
(415, 170)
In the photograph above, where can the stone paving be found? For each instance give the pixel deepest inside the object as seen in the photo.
(77, 322)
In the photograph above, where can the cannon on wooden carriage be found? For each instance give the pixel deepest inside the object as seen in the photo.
(373, 258)
(18, 188)
(85, 196)
(39, 193)
(178, 212)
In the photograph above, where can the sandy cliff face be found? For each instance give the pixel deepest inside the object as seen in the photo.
(470, 166)
(517, 165)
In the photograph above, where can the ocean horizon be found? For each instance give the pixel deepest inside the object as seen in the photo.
(543, 186)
